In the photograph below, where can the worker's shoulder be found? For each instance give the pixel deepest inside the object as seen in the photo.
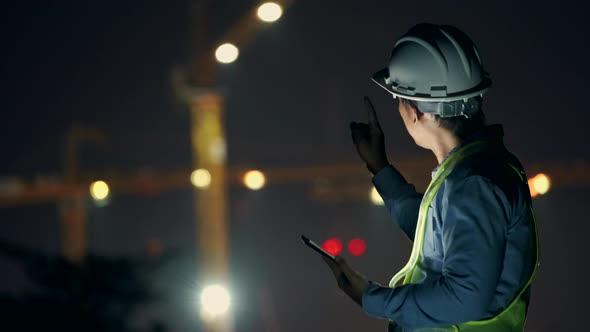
(486, 165)
(496, 169)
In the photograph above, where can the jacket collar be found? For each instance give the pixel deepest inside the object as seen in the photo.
(490, 133)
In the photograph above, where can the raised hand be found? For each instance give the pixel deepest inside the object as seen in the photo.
(369, 140)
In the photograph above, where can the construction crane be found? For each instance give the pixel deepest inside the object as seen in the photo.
(343, 181)
(197, 87)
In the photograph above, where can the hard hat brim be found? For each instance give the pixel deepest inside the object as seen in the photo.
(381, 76)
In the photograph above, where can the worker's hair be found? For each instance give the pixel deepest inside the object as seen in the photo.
(460, 126)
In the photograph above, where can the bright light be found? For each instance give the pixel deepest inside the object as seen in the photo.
(357, 246)
(226, 53)
(207, 316)
(534, 193)
(333, 246)
(375, 197)
(254, 180)
(99, 190)
(215, 300)
(269, 12)
(201, 178)
(541, 184)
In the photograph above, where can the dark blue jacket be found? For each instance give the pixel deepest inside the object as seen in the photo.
(478, 248)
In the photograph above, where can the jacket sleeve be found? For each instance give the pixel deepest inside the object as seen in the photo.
(474, 223)
(400, 198)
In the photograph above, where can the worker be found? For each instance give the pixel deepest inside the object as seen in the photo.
(475, 248)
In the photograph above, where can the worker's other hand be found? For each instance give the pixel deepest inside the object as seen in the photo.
(349, 280)
(341, 279)
(369, 140)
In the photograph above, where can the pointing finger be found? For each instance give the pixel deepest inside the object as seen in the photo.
(373, 120)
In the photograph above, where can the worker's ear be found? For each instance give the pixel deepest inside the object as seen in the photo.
(415, 112)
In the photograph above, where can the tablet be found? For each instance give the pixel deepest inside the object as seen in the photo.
(317, 248)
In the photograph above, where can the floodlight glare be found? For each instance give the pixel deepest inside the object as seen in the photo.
(541, 183)
(215, 300)
(269, 12)
(99, 190)
(375, 197)
(226, 53)
(201, 178)
(254, 180)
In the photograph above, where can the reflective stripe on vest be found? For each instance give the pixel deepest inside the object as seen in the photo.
(513, 317)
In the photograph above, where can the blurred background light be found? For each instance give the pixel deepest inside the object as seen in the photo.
(333, 246)
(215, 300)
(357, 246)
(254, 179)
(206, 316)
(226, 53)
(99, 190)
(375, 197)
(269, 12)
(539, 184)
(201, 178)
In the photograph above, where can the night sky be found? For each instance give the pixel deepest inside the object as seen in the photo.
(288, 101)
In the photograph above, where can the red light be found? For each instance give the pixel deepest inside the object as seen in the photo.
(357, 246)
(333, 246)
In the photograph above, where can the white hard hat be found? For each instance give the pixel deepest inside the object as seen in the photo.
(434, 63)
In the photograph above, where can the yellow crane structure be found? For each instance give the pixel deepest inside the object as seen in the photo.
(343, 181)
(72, 206)
(198, 88)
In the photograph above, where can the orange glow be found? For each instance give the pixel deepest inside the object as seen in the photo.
(254, 179)
(534, 193)
(539, 184)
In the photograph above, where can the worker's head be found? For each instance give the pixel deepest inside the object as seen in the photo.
(426, 127)
(436, 73)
